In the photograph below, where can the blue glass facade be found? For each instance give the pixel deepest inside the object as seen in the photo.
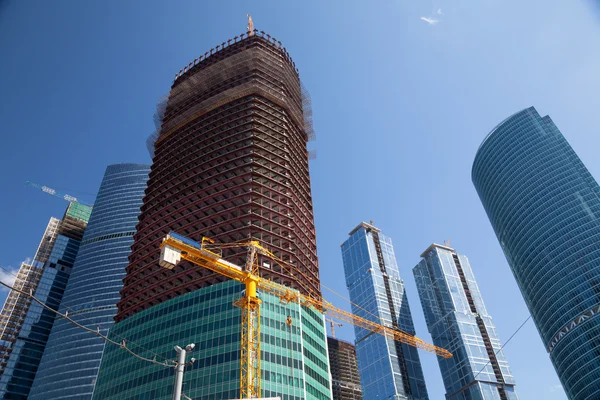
(387, 369)
(544, 207)
(70, 363)
(458, 321)
(27, 350)
(47, 277)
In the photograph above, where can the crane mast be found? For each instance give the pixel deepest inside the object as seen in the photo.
(250, 338)
(175, 248)
(332, 325)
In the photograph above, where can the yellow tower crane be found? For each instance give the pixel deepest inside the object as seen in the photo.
(175, 248)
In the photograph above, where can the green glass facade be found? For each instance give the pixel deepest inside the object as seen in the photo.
(293, 359)
(79, 211)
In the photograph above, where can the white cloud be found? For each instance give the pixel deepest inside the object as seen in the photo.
(556, 388)
(7, 277)
(430, 21)
(8, 274)
(439, 11)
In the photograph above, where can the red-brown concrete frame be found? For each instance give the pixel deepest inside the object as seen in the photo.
(230, 163)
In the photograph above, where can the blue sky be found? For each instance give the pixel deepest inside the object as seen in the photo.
(400, 105)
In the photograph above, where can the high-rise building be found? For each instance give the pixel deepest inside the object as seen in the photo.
(345, 381)
(230, 163)
(388, 369)
(459, 322)
(71, 360)
(544, 206)
(24, 324)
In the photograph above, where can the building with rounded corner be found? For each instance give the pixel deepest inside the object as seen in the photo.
(69, 366)
(544, 207)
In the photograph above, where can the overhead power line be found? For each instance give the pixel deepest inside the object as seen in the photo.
(123, 344)
(72, 311)
(30, 286)
(505, 343)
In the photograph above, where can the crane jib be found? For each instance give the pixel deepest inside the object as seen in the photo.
(176, 247)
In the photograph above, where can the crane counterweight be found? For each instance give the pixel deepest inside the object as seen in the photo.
(169, 257)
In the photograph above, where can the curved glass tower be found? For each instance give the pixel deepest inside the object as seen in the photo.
(545, 209)
(71, 360)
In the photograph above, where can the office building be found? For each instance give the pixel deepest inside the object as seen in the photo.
(544, 207)
(345, 381)
(230, 163)
(459, 322)
(388, 369)
(71, 360)
(24, 324)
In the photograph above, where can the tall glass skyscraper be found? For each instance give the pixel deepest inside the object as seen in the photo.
(458, 321)
(230, 163)
(545, 209)
(24, 324)
(388, 369)
(71, 360)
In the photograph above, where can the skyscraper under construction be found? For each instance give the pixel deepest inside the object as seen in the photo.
(69, 366)
(24, 324)
(345, 380)
(230, 163)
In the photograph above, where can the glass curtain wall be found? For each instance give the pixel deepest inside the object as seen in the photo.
(387, 369)
(544, 206)
(71, 360)
(458, 321)
(294, 363)
(30, 322)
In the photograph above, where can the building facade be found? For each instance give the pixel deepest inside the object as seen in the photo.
(71, 360)
(544, 206)
(25, 325)
(294, 362)
(345, 381)
(230, 163)
(459, 322)
(388, 369)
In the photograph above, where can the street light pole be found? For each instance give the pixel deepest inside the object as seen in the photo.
(179, 369)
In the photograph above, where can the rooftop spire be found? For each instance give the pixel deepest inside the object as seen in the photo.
(250, 26)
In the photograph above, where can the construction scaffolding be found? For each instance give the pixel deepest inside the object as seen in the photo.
(230, 161)
(345, 380)
(231, 66)
(15, 310)
(159, 114)
(17, 305)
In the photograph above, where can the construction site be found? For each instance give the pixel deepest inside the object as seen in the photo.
(24, 324)
(204, 251)
(230, 174)
(224, 255)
